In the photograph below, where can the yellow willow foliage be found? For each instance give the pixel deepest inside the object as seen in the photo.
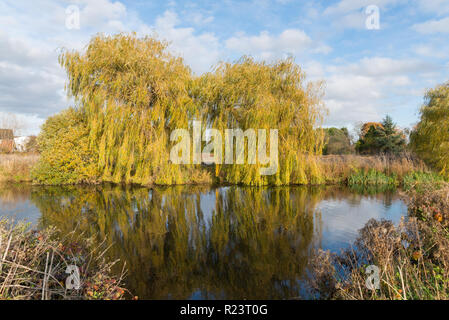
(134, 95)
(257, 95)
(65, 154)
(430, 138)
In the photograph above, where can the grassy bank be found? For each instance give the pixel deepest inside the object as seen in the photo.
(17, 167)
(352, 170)
(402, 171)
(413, 258)
(33, 265)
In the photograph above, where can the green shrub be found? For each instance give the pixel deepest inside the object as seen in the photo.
(65, 154)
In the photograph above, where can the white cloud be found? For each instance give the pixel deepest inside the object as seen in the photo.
(291, 42)
(432, 50)
(439, 7)
(365, 89)
(199, 19)
(100, 13)
(351, 13)
(386, 67)
(201, 51)
(433, 26)
(31, 81)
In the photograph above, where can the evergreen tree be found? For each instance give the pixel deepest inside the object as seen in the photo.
(384, 138)
(390, 140)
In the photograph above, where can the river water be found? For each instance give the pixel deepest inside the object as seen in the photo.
(207, 243)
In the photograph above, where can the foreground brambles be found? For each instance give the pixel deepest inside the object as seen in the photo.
(17, 167)
(413, 258)
(33, 265)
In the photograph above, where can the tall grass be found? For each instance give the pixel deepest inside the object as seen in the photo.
(370, 170)
(17, 167)
(372, 178)
(353, 170)
(415, 180)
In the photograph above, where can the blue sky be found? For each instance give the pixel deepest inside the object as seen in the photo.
(368, 73)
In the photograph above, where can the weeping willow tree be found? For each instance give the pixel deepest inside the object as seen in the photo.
(257, 95)
(133, 94)
(430, 138)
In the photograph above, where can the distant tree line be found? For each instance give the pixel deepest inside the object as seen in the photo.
(373, 138)
(337, 141)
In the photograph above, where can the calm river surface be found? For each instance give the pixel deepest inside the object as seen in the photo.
(207, 243)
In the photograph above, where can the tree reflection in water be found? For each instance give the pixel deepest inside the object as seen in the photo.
(198, 242)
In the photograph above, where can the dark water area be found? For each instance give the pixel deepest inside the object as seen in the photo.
(197, 242)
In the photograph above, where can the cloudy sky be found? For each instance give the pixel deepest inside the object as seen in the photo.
(368, 72)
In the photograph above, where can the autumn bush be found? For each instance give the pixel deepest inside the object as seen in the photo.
(66, 157)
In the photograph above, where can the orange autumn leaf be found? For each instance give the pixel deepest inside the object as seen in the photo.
(439, 217)
(416, 255)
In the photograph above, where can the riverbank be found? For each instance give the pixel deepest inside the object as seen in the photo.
(401, 171)
(412, 258)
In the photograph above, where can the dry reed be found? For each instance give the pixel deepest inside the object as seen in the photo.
(17, 167)
(338, 168)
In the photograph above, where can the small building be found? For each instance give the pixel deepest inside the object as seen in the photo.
(6, 141)
(21, 143)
